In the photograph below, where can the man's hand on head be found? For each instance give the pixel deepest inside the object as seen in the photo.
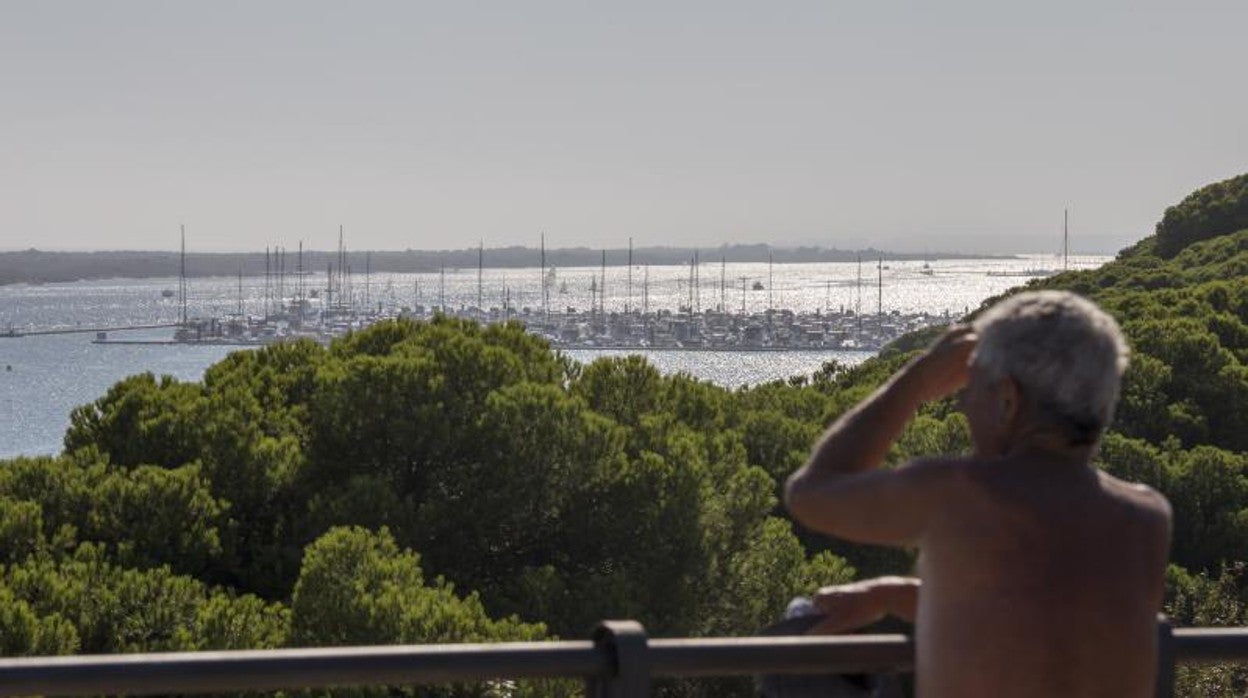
(840, 491)
(945, 367)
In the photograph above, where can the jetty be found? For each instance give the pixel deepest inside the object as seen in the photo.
(12, 332)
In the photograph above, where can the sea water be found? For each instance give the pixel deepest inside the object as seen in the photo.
(43, 378)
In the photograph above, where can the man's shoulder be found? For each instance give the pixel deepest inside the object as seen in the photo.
(1142, 500)
(942, 469)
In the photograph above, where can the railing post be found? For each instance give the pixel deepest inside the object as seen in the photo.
(626, 643)
(1165, 657)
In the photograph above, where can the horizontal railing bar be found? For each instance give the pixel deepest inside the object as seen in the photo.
(259, 670)
(1203, 645)
(842, 654)
(206, 672)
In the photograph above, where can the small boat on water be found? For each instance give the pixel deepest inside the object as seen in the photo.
(168, 293)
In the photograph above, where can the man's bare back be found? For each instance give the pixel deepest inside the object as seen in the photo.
(1040, 579)
(1038, 574)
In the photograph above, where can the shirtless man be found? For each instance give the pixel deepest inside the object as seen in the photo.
(1039, 575)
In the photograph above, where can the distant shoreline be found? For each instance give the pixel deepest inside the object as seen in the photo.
(36, 266)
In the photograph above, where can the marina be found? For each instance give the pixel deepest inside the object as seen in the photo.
(698, 314)
(683, 328)
(51, 374)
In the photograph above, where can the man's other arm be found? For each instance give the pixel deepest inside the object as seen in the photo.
(847, 607)
(839, 490)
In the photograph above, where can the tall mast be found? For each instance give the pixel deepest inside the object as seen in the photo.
(723, 270)
(1065, 239)
(858, 302)
(240, 291)
(368, 280)
(697, 281)
(182, 275)
(691, 262)
(281, 277)
(770, 278)
(879, 303)
(300, 270)
(645, 291)
(545, 288)
(480, 268)
(629, 297)
(442, 288)
(267, 276)
(602, 288)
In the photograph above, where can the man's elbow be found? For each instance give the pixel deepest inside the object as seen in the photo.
(798, 499)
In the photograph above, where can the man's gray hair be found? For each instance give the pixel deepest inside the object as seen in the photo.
(1066, 354)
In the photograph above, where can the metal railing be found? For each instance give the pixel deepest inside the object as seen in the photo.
(620, 661)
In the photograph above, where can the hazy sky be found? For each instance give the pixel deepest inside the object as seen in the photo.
(954, 125)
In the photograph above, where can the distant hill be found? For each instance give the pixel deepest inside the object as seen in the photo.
(36, 266)
(1210, 211)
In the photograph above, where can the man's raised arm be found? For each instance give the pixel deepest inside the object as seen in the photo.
(839, 491)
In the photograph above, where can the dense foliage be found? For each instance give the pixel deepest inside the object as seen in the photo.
(1214, 210)
(441, 481)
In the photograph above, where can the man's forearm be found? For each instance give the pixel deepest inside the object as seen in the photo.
(901, 597)
(849, 607)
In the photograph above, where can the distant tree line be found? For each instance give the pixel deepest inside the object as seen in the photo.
(35, 266)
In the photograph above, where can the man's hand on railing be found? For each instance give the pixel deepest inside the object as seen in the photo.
(847, 607)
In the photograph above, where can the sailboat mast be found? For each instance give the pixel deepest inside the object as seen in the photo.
(480, 269)
(299, 269)
(723, 282)
(602, 288)
(267, 276)
(281, 278)
(697, 282)
(691, 263)
(645, 291)
(182, 275)
(879, 303)
(770, 280)
(858, 302)
(628, 299)
(545, 286)
(1065, 239)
